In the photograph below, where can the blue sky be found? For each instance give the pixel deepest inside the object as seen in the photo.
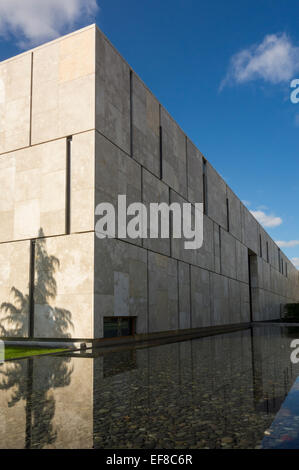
(222, 69)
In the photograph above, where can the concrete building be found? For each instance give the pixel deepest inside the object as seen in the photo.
(78, 127)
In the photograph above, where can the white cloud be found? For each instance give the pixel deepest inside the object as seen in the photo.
(289, 244)
(246, 203)
(34, 21)
(275, 60)
(266, 220)
(295, 262)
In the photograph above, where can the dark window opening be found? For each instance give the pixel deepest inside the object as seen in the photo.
(227, 213)
(286, 269)
(160, 143)
(161, 151)
(279, 263)
(267, 245)
(131, 113)
(261, 249)
(119, 326)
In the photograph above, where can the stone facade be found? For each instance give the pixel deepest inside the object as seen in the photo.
(78, 127)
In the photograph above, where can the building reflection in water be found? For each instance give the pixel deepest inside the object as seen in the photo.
(284, 431)
(214, 392)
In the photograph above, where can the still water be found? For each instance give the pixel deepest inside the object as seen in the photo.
(224, 391)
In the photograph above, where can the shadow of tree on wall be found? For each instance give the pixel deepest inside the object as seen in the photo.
(33, 381)
(15, 319)
(55, 322)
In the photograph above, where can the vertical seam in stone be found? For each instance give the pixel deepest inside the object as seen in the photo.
(187, 170)
(160, 144)
(31, 287)
(190, 295)
(170, 221)
(214, 246)
(131, 113)
(141, 194)
(211, 309)
(250, 289)
(205, 186)
(68, 186)
(220, 261)
(227, 213)
(31, 91)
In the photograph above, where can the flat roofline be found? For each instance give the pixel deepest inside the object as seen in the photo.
(96, 28)
(48, 43)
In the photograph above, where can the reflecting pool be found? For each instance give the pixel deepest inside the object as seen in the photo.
(223, 391)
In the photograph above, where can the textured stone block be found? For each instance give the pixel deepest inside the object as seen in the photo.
(163, 293)
(234, 209)
(184, 295)
(249, 230)
(216, 240)
(35, 179)
(112, 94)
(154, 191)
(14, 289)
(116, 174)
(228, 254)
(245, 302)
(146, 127)
(200, 297)
(15, 91)
(216, 196)
(120, 283)
(234, 303)
(242, 272)
(178, 249)
(174, 160)
(83, 182)
(194, 173)
(205, 254)
(220, 313)
(63, 94)
(64, 287)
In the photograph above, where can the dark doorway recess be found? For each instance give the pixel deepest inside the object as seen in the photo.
(252, 276)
